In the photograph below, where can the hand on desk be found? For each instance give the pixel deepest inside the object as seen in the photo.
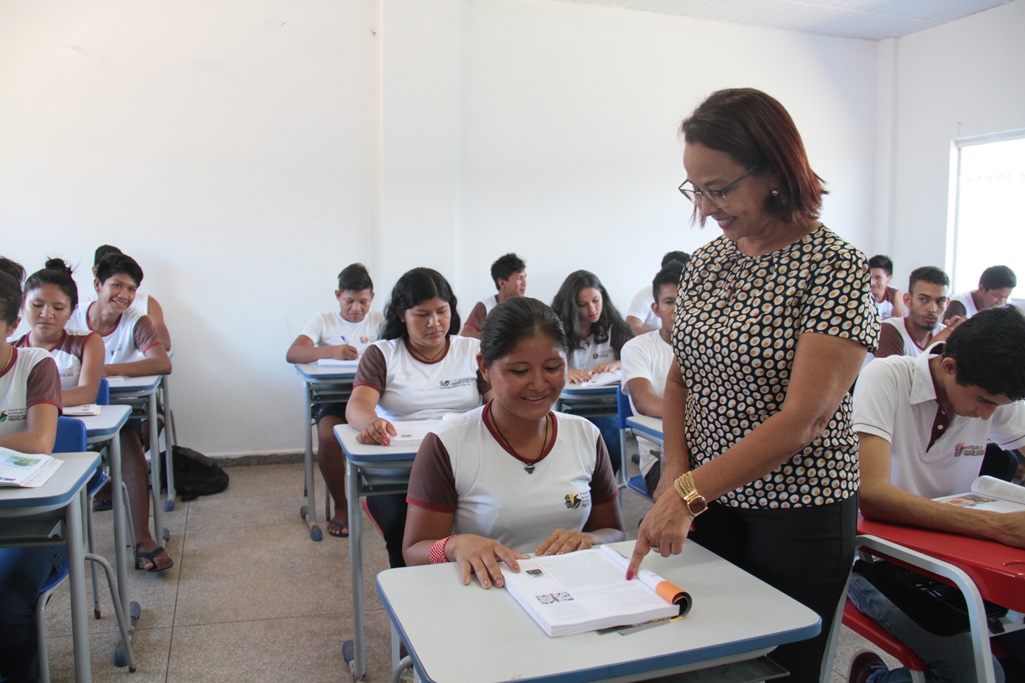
(480, 556)
(577, 376)
(663, 530)
(563, 541)
(611, 366)
(342, 352)
(1009, 528)
(378, 432)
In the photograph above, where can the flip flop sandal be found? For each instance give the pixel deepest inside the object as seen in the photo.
(343, 526)
(151, 557)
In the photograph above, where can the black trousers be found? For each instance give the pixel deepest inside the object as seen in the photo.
(389, 513)
(804, 552)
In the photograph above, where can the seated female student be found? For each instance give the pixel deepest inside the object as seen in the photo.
(595, 329)
(50, 296)
(30, 399)
(342, 335)
(596, 333)
(133, 349)
(419, 370)
(491, 485)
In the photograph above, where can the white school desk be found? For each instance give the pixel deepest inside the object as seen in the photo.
(648, 427)
(588, 400)
(100, 429)
(142, 391)
(57, 501)
(321, 384)
(465, 634)
(370, 471)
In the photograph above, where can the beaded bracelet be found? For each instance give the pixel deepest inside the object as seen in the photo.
(437, 552)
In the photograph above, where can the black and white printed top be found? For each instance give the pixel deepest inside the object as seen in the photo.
(738, 320)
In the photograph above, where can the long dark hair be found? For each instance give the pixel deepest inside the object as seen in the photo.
(413, 288)
(610, 324)
(11, 275)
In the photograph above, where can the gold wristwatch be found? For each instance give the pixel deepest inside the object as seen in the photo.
(684, 486)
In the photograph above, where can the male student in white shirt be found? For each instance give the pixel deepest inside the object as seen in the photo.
(640, 316)
(646, 361)
(923, 424)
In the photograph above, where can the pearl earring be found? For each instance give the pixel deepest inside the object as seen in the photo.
(775, 193)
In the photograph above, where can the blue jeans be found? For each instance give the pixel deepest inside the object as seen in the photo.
(950, 659)
(23, 572)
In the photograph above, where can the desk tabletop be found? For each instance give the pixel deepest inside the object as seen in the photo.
(135, 386)
(464, 634)
(370, 455)
(312, 372)
(649, 426)
(59, 489)
(997, 569)
(108, 423)
(572, 390)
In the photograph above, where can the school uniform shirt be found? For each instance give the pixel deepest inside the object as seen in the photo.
(739, 319)
(895, 340)
(31, 378)
(413, 389)
(331, 329)
(466, 469)
(895, 399)
(967, 303)
(134, 335)
(592, 354)
(646, 357)
(640, 308)
(885, 307)
(67, 354)
(480, 311)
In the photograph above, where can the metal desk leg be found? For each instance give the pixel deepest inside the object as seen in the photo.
(76, 578)
(120, 519)
(154, 449)
(309, 511)
(359, 664)
(170, 440)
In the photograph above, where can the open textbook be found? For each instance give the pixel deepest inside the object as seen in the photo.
(587, 590)
(25, 470)
(990, 493)
(412, 432)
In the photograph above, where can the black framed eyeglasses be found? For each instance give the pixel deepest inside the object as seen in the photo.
(717, 197)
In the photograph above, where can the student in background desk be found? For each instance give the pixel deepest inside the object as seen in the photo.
(419, 370)
(646, 363)
(50, 297)
(509, 273)
(596, 333)
(342, 335)
(512, 477)
(640, 316)
(145, 304)
(887, 299)
(923, 424)
(133, 349)
(30, 400)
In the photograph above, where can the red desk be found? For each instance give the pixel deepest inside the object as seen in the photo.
(978, 568)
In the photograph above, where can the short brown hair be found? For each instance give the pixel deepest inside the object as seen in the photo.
(757, 132)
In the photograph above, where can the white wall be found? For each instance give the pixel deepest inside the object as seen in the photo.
(246, 150)
(957, 80)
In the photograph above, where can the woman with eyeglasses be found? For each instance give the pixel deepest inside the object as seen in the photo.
(774, 318)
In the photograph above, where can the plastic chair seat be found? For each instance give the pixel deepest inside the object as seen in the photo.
(868, 629)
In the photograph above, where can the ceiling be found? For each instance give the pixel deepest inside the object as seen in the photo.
(868, 19)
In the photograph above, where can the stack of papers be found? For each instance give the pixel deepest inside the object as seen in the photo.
(81, 411)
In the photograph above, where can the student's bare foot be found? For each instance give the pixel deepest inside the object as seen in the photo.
(155, 559)
(339, 529)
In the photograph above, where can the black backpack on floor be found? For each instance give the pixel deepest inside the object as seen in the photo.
(195, 474)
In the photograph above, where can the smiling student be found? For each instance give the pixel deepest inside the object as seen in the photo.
(419, 370)
(51, 296)
(509, 272)
(344, 335)
(594, 327)
(493, 484)
(132, 349)
(146, 304)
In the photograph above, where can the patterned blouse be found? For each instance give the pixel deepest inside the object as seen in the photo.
(738, 320)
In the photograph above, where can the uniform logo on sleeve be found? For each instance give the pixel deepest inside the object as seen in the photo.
(969, 450)
(13, 415)
(575, 501)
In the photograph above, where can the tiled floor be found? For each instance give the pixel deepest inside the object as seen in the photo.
(251, 597)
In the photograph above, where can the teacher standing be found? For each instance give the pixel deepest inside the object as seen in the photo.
(773, 321)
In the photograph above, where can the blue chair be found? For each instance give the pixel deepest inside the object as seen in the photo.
(70, 436)
(103, 395)
(623, 410)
